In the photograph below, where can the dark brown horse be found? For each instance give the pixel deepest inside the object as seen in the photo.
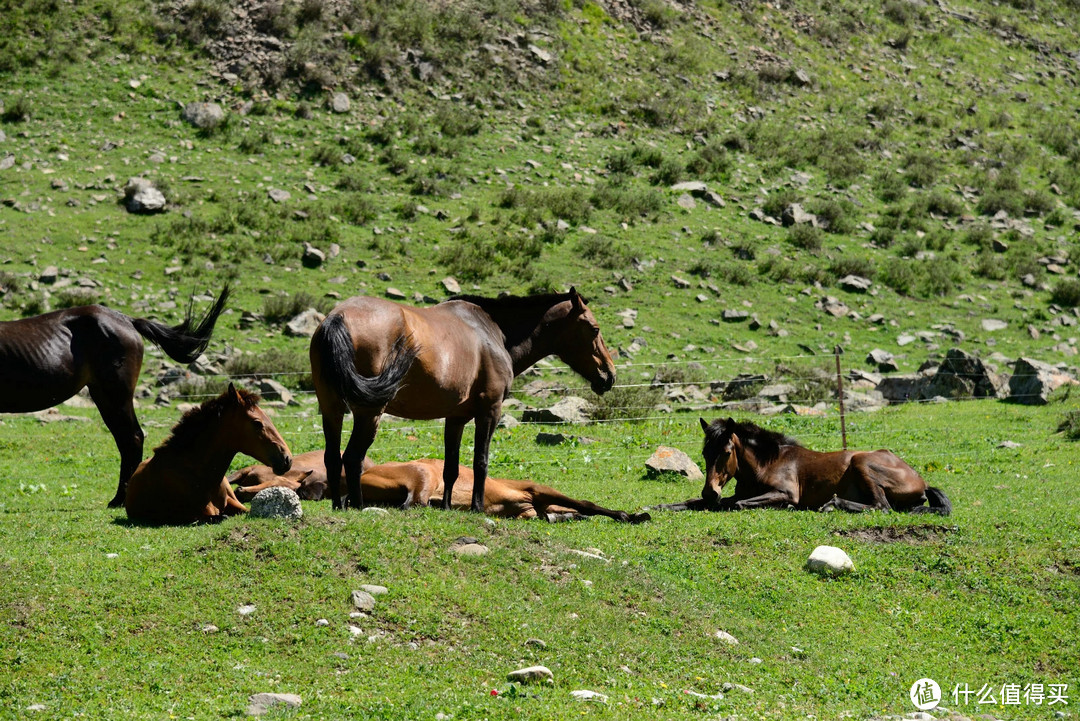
(184, 480)
(47, 359)
(456, 360)
(773, 470)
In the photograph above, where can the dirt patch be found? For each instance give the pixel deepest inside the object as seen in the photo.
(897, 534)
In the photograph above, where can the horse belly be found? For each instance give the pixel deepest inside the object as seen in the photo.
(35, 376)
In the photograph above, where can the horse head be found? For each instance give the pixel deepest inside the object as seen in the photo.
(581, 346)
(254, 434)
(721, 457)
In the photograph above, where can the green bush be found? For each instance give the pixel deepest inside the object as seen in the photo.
(603, 251)
(1070, 425)
(834, 215)
(921, 169)
(805, 236)
(1066, 293)
(899, 275)
(776, 202)
(279, 308)
(862, 267)
(630, 203)
(940, 277)
(670, 172)
(994, 201)
(626, 403)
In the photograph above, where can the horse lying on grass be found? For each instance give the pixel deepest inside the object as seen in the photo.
(403, 485)
(183, 481)
(773, 470)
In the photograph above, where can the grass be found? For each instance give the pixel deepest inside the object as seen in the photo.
(985, 596)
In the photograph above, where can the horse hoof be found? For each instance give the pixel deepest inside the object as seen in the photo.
(640, 517)
(116, 502)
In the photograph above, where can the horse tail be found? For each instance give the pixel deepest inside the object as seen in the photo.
(339, 366)
(938, 503)
(184, 343)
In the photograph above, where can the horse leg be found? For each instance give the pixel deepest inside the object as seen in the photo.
(451, 454)
(118, 412)
(332, 422)
(772, 499)
(485, 429)
(363, 435)
(852, 506)
(694, 504)
(861, 474)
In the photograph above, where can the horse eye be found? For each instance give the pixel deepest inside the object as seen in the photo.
(595, 332)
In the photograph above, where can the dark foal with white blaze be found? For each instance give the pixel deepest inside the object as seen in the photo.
(456, 360)
(774, 471)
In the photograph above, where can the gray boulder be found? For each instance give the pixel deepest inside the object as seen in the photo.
(271, 390)
(569, 410)
(204, 116)
(277, 503)
(962, 375)
(1033, 381)
(312, 257)
(855, 283)
(902, 388)
(263, 703)
(305, 324)
(883, 360)
(672, 460)
(339, 103)
(140, 196)
(795, 215)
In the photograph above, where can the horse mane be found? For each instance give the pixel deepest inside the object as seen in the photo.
(765, 443)
(510, 311)
(188, 427)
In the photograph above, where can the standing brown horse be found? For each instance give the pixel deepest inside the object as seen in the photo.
(773, 470)
(307, 477)
(183, 482)
(456, 360)
(47, 359)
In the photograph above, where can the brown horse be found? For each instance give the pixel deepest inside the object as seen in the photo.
(456, 360)
(307, 477)
(47, 359)
(402, 485)
(773, 470)
(183, 482)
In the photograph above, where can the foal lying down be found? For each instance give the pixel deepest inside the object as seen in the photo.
(774, 470)
(413, 483)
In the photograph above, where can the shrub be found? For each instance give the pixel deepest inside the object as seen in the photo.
(327, 155)
(990, 265)
(628, 202)
(777, 269)
(899, 275)
(863, 267)
(776, 202)
(292, 366)
(278, 308)
(883, 237)
(626, 403)
(921, 169)
(805, 236)
(994, 201)
(940, 277)
(834, 215)
(669, 172)
(710, 162)
(457, 122)
(1070, 425)
(603, 251)
(621, 162)
(979, 235)
(1066, 293)
(890, 186)
(72, 297)
(17, 112)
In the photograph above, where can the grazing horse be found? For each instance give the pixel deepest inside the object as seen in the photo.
(183, 481)
(307, 477)
(456, 360)
(46, 359)
(403, 485)
(773, 470)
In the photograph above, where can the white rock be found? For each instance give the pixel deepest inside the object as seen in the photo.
(277, 503)
(261, 703)
(246, 610)
(586, 695)
(375, 590)
(829, 561)
(726, 638)
(363, 601)
(322, 622)
(532, 674)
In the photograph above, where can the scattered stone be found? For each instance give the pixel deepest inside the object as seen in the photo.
(49, 275)
(734, 316)
(140, 196)
(832, 306)
(686, 202)
(695, 187)
(594, 554)
(246, 609)
(855, 283)
(305, 324)
(1009, 444)
(1033, 381)
(322, 622)
(277, 503)
(905, 339)
(204, 116)
(312, 257)
(272, 390)
(729, 687)
(536, 643)
(883, 360)
(532, 674)
(395, 294)
(569, 410)
(339, 103)
(6, 162)
(829, 561)
(795, 215)
(586, 695)
(375, 511)
(451, 285)
(263, 703)
(468, 546)
(726, 638)
(993, 324)
(962, 375)
(363, 601)
(375, 590)
(680, 282)
(278, 195)
(672, 460)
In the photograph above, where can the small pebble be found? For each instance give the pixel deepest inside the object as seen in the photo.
(246, 610)
(322, 622)
(112, 555)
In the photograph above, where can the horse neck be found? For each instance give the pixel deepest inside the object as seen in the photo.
(524, 337)
(206, 460)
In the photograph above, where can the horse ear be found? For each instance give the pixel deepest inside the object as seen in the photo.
(233, 393)
(577, 305)
(704, 424)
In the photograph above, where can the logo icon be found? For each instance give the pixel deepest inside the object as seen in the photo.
(925, 694)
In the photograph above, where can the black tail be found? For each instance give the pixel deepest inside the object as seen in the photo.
(339, 366)
(938, 503)
(181, 342)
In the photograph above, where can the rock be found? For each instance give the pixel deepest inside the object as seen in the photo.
(832, 306)
(305, 324)
(270, 389)
(1009, 444)
(905, 339)
(451, 285)
(468, 546)
(729, 686)
(829, 561)
(694, 187)
(993, 324)
(795, 215)
(536, 643)
(686, 202)
(532, 674)
(672, 460)
(726, 638)
(204, 116)
(363, 601)
(867, 402)
(734, 316)
(1033, 381)
(140, 196)
(312, 257)
(262, 703)
(586, 695)
(777, 392)
(277, 503)
(339, 103)
(883, 360)
(395, 294)
(49, 275)
(540, 54)
(278, 195)
(902, 388)
(962, 375)
(569, 410)
(6, 162)
(855, 283)
(680, 282)
(375, 590)
(246, 610)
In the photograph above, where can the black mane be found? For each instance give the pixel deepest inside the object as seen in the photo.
(195, 420)
(516, 302)
(764, 443)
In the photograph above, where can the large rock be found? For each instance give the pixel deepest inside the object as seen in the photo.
(672, 460)
(903, 388)
(962, 375)
(272, 390)
(312, 256)
(277, 503)
(883, 360)
(305, 324)
(204, 116)
(140, 196)
(532, 674)
(339, 103)
(569, 410)
(1033, 381)
(832, 306)
(855, 283)
(829, 561)
(263, 703)
(795, 215)
(363, 601)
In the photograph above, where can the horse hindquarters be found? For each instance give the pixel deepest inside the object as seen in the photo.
(938, 503)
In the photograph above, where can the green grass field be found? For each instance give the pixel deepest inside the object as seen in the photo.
(986, 596)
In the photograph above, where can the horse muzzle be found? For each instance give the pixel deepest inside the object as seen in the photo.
(283, 465)
(603, 383)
